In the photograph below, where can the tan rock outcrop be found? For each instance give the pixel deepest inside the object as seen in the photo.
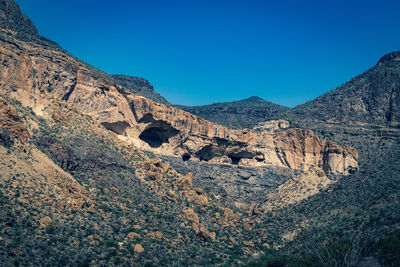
(35, 75)
(138, 248)
(133, 235)
(205, 234)
(186, 180)
(190, 215)
(45, 222)
(156, 234)
(10, 120)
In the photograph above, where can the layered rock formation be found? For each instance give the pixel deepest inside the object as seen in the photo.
(33, 75)
(297, 189)
(170, 131)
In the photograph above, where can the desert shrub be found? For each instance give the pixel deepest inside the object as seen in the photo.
(275, 259)
(387, 249)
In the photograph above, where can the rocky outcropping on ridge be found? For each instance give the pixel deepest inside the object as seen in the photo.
(170, 131)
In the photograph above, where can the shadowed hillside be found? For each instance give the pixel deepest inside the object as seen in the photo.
(238, 114)
(373, 97)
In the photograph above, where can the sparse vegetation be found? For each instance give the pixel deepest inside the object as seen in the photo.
(238, 114)
(73, 194)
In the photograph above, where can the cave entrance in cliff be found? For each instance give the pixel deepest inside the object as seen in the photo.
(206, 153)
(158, 133)
(118, 127)
(235, 160)
(186, 157)
(236, 157)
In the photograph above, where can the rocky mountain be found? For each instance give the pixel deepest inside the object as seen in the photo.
(34, 75)
(139, 86)
(92, 173)
(373, 97)
(237, 114)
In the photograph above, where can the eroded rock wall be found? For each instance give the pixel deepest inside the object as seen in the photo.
(35, 75)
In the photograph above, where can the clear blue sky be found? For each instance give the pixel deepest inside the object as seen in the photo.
(205, 51)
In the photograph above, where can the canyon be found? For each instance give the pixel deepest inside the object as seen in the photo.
(100, 170)
(34, 75)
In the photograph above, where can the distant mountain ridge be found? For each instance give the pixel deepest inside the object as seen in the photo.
(15, 24)
(140, 86)
(13, 19)
(238, 114)
(372, 97)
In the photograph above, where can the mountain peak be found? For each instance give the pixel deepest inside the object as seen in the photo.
(254, 98)
(390, 57)
(11, 18)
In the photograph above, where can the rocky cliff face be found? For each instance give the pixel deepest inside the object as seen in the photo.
(170, 131)
(33, 75)
(10, 121)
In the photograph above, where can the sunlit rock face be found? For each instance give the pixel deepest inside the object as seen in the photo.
(34, 75)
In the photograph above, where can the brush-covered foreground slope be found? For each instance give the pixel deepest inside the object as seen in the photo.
(71, 193)
(354, 212)
(237, 114)
(351, 214)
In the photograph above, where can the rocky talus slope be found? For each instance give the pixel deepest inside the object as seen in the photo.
(33, 75)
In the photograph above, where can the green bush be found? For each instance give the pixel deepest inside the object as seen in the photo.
(387, 249)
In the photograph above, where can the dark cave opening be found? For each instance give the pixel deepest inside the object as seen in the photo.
(206, 153)
(235, 160)
(158, 133)
(186, 157)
